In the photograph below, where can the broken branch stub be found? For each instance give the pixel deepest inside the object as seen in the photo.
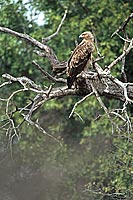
(98, 82)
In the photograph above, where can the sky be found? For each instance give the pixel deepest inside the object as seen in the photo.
(39, 19)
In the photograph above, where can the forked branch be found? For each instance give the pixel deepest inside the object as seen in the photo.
(99, 82)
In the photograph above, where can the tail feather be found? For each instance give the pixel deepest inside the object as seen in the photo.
(70, 81)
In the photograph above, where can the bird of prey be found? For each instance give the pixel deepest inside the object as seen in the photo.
(81, 56)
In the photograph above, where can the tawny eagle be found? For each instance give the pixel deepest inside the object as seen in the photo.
(80, 57)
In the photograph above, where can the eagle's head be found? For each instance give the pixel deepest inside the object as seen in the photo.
(87, 35)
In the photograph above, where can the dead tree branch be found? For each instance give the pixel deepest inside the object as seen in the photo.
(99, 82)
(44, 40)
(47, 51)
(123, 26)
(125, 53)
(79, 102)
(49, 76)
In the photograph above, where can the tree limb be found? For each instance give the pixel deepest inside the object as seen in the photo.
(125, 53)
(48, 52)
(44, 40)
(49, 76)
(99, 82)
(123, 26)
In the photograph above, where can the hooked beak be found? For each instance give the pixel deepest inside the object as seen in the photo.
(80, 36)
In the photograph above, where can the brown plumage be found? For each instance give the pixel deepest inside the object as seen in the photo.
(81, 55)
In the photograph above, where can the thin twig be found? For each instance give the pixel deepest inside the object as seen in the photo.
(49, 90)
(79, 116)
(24, 81)
(122, 27)
(118, 115)
(109, 67)
(100, 100)
(49, 76)
(44, 40)
(5, 83)
(26, 38)
(96, 44)
(80, 101)
(37, 125)
(125, 40)
(124, 59)
(98, 59)
(48, 52)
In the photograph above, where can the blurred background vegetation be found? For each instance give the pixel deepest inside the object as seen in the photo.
(94, 162)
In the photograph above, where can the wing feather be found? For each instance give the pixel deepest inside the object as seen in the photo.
(79, 58)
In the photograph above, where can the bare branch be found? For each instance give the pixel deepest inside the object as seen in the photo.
(124, 87)
(118, 115)
(48, 52)
(99, 82)
(129, 125)
(80, 101)
(126, 52)
(99, 99)
(122, 27)
(25, 82)
(55, 93)
(26, 38)
(37, 125)
(44, 40)
(124, 59)
(49, 76)
(96, 44)
(125, 40)
(5, 83)
(97, 59)
(12, 129)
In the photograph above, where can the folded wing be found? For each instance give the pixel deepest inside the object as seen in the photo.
(78, 60)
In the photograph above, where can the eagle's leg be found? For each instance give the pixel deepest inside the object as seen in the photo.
(75, 84)
(70, 81)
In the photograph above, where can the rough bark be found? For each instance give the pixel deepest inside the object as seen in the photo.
(98, 82)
